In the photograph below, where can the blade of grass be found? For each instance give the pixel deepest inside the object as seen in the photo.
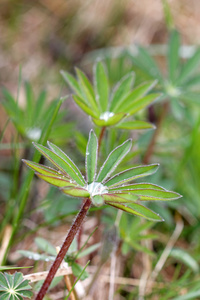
(67, 297)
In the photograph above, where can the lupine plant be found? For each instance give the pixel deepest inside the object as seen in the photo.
(180, 83)
(98, 188)
(111, 108)
(14, 287)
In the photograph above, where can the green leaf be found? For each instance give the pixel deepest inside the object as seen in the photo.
(113, 160)
(119, 198)
(142, 103)
(102, 86)
(121, 90)
(72, 82)
(3, 281)
(59, 181)
(138, 186)
(87, 90)
(91, 157)
(110, 121)
(152, 194)
(189, 67)
(173, 55)
(61, 164)
(61, 154)
(36, 256)
(27, 294)
(29, 103)
(188, 296)
(88, 250)
(45, 246)
(4, 268)
(186, 258)
(75, 192)
(13, 110)
(89, 111)
(97, 200)
(135, 95)
(39, 107)
(191, 97)
(77, 269)
(82, 272)
(147, 63)
(138, 210)
(135, 125)
(41, 168)
(18, 277)
(131, 174)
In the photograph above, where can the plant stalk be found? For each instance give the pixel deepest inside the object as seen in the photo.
(101, 137)
(151, 146)
(59, 258)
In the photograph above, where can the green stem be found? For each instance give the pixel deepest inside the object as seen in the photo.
(59, 258)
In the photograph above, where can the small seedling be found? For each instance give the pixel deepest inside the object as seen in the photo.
(14, 287)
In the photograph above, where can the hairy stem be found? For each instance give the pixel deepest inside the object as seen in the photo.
(59, 258)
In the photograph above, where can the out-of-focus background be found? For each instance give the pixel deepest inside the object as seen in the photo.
(44, 36)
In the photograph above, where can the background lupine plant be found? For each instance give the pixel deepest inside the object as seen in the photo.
(111, 108)
(180, 84)
(116, 191)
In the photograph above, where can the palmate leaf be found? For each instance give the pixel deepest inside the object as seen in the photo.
(113, 160)
(91, 157)
(138, 210)
(131, 174)
(102, 86)
(60, 163)
(14, 287)
(102, 189)
(121, 91)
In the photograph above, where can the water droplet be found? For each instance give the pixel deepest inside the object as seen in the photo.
(34, 133)
(87, 153)
(106, 115)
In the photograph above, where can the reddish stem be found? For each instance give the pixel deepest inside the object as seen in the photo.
(59, 258)
(101, 137)
(151, 146)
